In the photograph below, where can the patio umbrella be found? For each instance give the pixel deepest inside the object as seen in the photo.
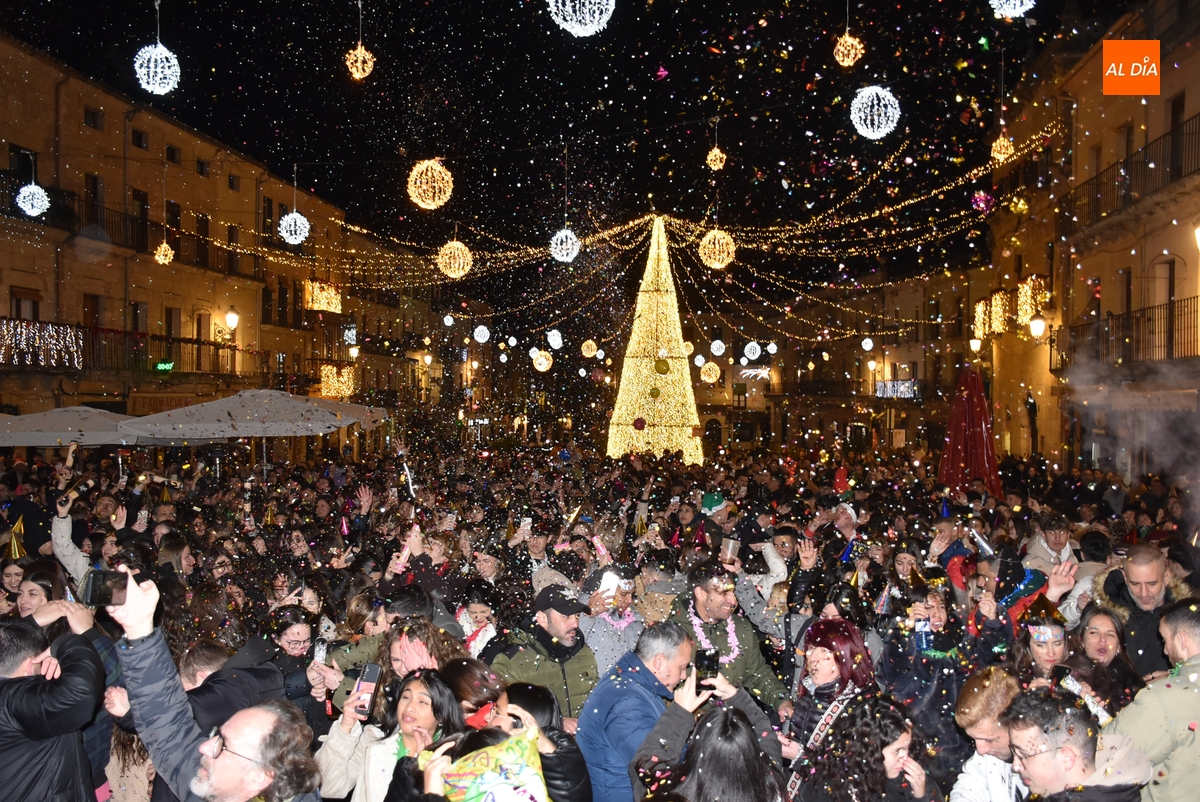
(61, 427)
(250, 413)
(368, 417)
(969, 452)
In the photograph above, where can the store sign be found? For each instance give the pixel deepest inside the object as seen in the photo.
(1131, 67)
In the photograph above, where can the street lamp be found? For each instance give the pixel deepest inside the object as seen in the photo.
(428, 359)
(976, 344)
(871, 365)
(232, 317)
(1037, 326)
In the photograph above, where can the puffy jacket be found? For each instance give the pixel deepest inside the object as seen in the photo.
(527, 659)
(40, 724)
(1142, 643)
(1161, 721)
(362, 760)
(985, 778)
(615, 720)
(565, 770)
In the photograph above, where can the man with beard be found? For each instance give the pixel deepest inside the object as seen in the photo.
(553, 654)
(1137, 593)
(988, 775)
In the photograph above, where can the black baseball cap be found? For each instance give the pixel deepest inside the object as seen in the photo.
(560, 600)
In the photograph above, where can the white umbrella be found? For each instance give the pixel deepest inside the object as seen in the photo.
(368, 417)
(60, 427)
(250, 413)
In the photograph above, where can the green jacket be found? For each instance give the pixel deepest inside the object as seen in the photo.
(1161, 720)
(748, 670)
(353, 655)
(527, 660)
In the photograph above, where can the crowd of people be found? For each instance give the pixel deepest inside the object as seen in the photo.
(450, 623)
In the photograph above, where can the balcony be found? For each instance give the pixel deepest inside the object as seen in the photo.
(1155, 334)
(831, 388)
(1168, 159)
(905, 389)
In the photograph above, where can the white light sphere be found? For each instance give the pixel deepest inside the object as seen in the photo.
(874, 112)
(448, 320)
(582, 17)
(717, 347)
(752, 350)
(512, 342)
(554, 337)
(699, 360)
(564, 246)
(33, 200)
(294, 228)
(867, 344)
(157, 69)
(600, 354)
(772, 348)
(1011, 8)
(482, 334)
(744, 361)
(504, 357)
(583, 372)
(534, 351)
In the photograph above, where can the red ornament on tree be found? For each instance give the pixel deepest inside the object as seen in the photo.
(639, 423)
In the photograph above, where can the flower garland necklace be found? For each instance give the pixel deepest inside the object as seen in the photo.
(619, 624)
(702, 639)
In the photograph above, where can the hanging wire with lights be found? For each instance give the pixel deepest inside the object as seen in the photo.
(157, 68)
(31, 198)
(293, 226)
(1002, 149)
(849, 49)
(716, 157)
(564, 246)
(164, 254)
(360, 61)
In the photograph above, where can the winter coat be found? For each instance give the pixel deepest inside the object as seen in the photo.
(985, 778)
(1120, 773)
(565, 770)
(1142, 643)
(165, 722)
(749, 669)
(616, 718)
(1161, 721)
(40, 724)
(610, 640)
(570, 678)
(363, 760)
(1039, 557)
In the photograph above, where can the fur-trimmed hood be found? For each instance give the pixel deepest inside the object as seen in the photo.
(1176, 589)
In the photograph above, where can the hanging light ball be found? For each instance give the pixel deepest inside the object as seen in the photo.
(294, 228)
(983, 202)
(163, 253)
(867, 344)
(772, 348)
(1011, 8)
(874, 112)
(600, 354)
(512, 342)
(717, 348)
(554, 337)
(430, 184)
(360, 62)
(752, 350)
(699, 360)
(689, 347)
(448, 320)
(534, 351)
(1002, 149)
(597, 374)
(588, 348)
(482, 334)
(157, 69)
(848, 50)
(564, 246)
(504, 358)
(582, 17)
(716, 158)
(583, 373)
(33, 200)
(454, 259)
(717, 249)
(543, 361)
(711, 372)
(662, 366)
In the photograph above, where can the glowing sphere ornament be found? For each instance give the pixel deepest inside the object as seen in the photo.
(504, 358)
(512, 342)
(772, 348)
(294, 228)
(752, 350)
(554, 337)
(874, 112)
(1002, 149)
(588, 348)
(1011, 8)
(699, 360)
(600, 354)
(582, 17)
(163, 254)
(534, 351)
(482, 334)
(543, 361)
(448, 320)
(662, 366)
(430, 184)
(156, 68)
(583, 373)
(711, 373)
(655, 392)
(717, 249)
(564, 246)
(717, 348)
(454, 259)
(360, 62)
(716, 158)
(848, 50)
(867, 343)
(689, 347)
(33, 200)
(983, 202)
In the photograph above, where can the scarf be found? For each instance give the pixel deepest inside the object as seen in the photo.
(555, 649)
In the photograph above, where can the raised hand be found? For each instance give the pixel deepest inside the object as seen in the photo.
(808, 554)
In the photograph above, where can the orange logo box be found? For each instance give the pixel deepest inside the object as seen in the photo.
(1131, 67)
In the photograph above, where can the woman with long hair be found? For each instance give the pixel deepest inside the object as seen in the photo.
(837, 669)
(1100, 661)
(563, 766)
(1041, 644)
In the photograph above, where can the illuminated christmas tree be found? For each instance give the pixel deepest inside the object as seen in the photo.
(655, 409)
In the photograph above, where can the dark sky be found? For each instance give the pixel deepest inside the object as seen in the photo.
(497, 88)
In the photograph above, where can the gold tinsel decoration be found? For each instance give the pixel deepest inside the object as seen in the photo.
(360, 62)
(848, 50)
(689, 347)
(163, 254)
(589, 348)
(337, 381)
(543, 361)
(711, 372)
(717, 249)
(1002, 149)
(454, 259)
(716, 158)
(430, 184)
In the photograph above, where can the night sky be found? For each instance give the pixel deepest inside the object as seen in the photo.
(498, 89)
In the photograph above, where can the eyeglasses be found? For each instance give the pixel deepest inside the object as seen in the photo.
(216, 733)
(298, 644)
(1024, 758)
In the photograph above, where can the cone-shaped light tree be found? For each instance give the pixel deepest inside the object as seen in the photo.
(656, 409)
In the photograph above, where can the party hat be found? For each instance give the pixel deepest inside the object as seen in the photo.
(16, 549)
(917, 584)
(165, 496)
(1041, 607)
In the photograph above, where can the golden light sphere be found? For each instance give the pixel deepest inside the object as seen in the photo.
(454, 259)
(662, 367)
(716, 158)
(589, 348)
(1002, 149)
(717, 249)
(848, 50)
(430, 184)
(163, 254)
(360, 62)
(711, 372)
(689, 348)
(543, 361)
